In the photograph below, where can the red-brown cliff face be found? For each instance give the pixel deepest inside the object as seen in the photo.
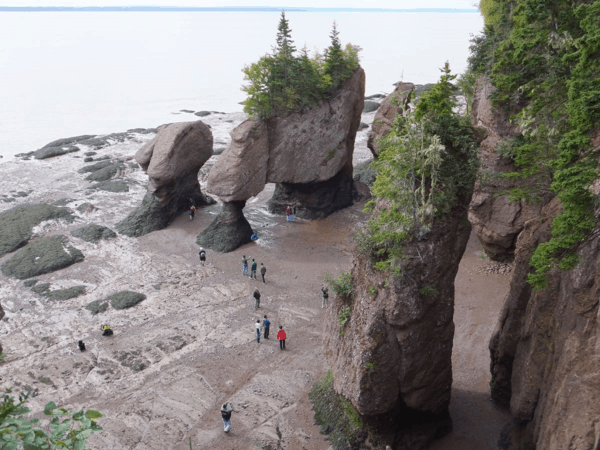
(496, 220)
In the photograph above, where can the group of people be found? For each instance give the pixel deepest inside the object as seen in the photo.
(266, 326)
(253, 267)
(290, 213)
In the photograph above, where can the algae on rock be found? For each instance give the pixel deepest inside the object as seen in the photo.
(16, 224)
(40, 257)
(125, 299)
(93, 233)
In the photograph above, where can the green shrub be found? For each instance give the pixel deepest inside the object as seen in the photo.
(428, 290)
(344, 315)
(342, 285)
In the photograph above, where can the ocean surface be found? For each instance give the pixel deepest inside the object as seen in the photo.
(71, 73)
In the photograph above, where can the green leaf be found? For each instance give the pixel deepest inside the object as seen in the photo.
(92, 414)
(51, 406)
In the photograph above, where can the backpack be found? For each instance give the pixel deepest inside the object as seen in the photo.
(202, 253)
(254, 265)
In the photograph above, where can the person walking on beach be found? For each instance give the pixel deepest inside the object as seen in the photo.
(226, 416)
(245, 263)
(256, 296)
(293, 213)
(253, 269)
(192, 211)
(258, 331)
(202, 254)
(263, 270)
(266, 326)
(281, 336)
(325, 296)
(288, 211)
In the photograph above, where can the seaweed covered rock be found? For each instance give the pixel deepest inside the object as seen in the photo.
(50, 152)
(43, 289)
(125, 299)
(172, 161)
(364, 173)
(93, 233)
(393, 104)
(42, 256)
(228, 231)
(16, 224)
(97, 307)
(111, 186)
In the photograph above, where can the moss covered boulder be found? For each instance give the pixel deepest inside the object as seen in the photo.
(43, 289)
(93, 233)
(97, 307)
(364, 173)
(111, 186)
(125, 299)
(16, 224)
(106, 173)
(40, 257)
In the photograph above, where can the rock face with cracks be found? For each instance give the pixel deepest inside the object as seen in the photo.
(393, 104)
(496, 220)
(545, 349)
(394, 354)
(228, 231)
(172, 161)
(308, 153)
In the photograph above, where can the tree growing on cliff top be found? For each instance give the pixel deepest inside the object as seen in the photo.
(283, 81)
(426, 163)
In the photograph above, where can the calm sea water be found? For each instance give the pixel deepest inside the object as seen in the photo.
(71, 73)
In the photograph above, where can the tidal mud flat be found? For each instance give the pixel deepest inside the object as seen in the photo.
(189, 345)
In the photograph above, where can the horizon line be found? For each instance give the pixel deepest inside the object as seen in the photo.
(223, 9)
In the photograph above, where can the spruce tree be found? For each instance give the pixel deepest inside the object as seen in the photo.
(335, 66)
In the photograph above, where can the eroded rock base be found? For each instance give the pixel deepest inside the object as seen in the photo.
(314, 200)
(401, 428)
(151, 215)
(228, 231)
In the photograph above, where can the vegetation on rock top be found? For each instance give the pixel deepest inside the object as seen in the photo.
(285, 81)
(543, 59)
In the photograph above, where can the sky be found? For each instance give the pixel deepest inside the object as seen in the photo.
(394, 4)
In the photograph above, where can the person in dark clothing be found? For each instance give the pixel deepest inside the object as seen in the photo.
(266, 326)
(192, 211)
(226, 416)
(256, 296)
(263, 270)
(202, 254)
(106, 331)
(253, 269)
(281, 336)
(245, 263)
(325, 296)
(81, 346)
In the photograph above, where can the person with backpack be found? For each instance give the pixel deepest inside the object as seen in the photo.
(281, 336)
(245, 263)
(256, 296)
(226, 411)
(202, 254)
(324, 295)
(263, 270)
(266, 326)
(253, 269)
(106, 331)
(192, 211)
(257, 331)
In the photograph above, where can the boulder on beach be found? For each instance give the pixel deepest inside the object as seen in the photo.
(43, 289)
(125, 299)
(93, 233)
(111, 186)
(16, 224)
(172, 161)
(364, 173)
(370, 106)
(97, 307)
(49, 152)
(42, 256)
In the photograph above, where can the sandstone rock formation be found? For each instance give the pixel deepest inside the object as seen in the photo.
(545, 349)
(172, 161)
(496, 220)
(394, 355)
(307, 153)
(393, 104)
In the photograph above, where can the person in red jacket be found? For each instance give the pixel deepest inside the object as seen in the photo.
(281, 336)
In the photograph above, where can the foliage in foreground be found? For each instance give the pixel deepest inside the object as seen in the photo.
(341, 285)
(543, 59)
(66, 430)
(426, 163)
(285, 80)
